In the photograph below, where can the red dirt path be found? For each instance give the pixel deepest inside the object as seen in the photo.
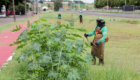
(6, 38)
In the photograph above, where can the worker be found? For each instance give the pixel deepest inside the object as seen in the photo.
(59, 18)
(81, 18)
(98, 43)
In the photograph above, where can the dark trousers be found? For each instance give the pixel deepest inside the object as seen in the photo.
(81, 20)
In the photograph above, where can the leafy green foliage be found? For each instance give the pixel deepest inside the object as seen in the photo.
(52, 54)
(112, 3)
(88, 45)
(76, 35)
(72, 21)
(73, 75)
(20, 7)
(57, 4)
(17, 28)
(28, 24)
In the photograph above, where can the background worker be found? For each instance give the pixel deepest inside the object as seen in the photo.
(81, 18)
(59, 18)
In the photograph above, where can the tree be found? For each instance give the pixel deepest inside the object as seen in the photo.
(70, 4)
(7, 4)
(49, 5)
(41, 1)
(25, 7)
(96, 3)
(113, 3)
(28, 1)
(21, 9)
(2, 2)
(57, 5)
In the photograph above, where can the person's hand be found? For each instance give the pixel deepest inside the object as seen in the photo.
(97, 43)
(91, 43)
(85, 35)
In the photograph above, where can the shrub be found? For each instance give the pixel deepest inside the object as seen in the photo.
(52, 53)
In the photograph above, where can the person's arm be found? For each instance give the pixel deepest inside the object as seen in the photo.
(104, 32)
(92, 33)
(57, 16)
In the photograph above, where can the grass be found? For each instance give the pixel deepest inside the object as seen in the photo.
(11, 24)
(121, 52)
(13, 69)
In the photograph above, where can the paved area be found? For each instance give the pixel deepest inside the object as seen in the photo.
(11, 19)
(8, 38)
(111, 14)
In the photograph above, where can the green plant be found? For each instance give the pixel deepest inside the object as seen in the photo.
(57, 4)
(20, 8)
(72, 21)
(51, 53)
(49, 5)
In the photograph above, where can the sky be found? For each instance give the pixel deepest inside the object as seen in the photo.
(88, 1)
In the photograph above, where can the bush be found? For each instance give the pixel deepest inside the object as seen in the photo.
(51, 53)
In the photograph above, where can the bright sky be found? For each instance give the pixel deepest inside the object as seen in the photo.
(88, 1)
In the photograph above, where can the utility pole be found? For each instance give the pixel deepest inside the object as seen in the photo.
(36, 7)
(107, 4)
(124, 9)
(125, 2)
(14, 11)
(32, 7)
(79, 5)
(25, 7)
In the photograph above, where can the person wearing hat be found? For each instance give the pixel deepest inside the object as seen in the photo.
(100, 38)
(81, 18)
(59, 18)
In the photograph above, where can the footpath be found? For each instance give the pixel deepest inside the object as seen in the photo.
(6, 38)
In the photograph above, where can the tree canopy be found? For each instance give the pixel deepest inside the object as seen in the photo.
(7, 3)
(113, 3)
(57, 5)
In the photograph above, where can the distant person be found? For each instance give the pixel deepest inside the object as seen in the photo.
(59, 18)
(81, 18)
(100, 38)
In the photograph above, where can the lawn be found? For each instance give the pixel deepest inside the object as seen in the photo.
(122, 52)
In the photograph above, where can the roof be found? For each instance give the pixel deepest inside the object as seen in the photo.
(44, 7)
